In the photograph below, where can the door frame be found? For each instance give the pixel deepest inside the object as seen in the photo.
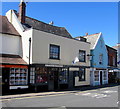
(101, 77)
(6, 74)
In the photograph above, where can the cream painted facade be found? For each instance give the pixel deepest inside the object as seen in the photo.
(69, 49)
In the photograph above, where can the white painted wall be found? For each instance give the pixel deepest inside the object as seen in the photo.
(25, 35)
(10, 44)
(69, 49)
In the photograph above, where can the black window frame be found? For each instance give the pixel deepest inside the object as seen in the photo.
(84, 56)
(51, 57)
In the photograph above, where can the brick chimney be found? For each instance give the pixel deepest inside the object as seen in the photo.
(22, 10)
(86, 34)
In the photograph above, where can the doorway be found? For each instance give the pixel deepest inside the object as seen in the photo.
(101, 77)
(53, 78)
(5, 80)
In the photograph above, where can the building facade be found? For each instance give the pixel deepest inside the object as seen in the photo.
(99, 59)
(112, 64)
(55, 59)
(117, 47)
(13, 68)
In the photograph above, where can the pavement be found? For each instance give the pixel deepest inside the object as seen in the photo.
(75, 90)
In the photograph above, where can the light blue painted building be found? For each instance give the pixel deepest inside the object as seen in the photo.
(99, 59)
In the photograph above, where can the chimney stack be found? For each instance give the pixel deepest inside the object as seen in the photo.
(22, 10)
(86, 34)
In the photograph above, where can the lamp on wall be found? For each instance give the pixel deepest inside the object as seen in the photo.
(89, 56)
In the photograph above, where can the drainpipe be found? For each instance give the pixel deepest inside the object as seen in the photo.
(29, 62)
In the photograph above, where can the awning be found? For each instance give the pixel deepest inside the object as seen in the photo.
(8, 59)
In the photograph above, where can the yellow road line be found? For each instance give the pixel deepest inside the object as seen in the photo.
(32, 97)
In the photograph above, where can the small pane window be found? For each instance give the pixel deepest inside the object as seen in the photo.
(63, 76)
(32, 75)
(82, 55)
(54, 52)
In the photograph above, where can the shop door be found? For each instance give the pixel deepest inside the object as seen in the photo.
(5, 79)
(55, 80)
(101, 78)
(51, 81)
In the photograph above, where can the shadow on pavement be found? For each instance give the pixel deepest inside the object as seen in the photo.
(81, 88)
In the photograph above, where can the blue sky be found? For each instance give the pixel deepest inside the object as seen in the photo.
(77, 17)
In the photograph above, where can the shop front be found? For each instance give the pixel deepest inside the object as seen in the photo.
(14, 77)
(50, 77)
(113, 75)
(98, 76)
(14, 71)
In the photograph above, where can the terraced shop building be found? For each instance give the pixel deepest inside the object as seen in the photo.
(13, 69)
(56, 59)
(99, 59)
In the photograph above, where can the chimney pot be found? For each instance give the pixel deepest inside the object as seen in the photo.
(86, 34)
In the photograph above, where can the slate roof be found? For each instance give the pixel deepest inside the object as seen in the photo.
(35, 24)
(92, 39)
(11, 59)
(6, 27)
(111, 48)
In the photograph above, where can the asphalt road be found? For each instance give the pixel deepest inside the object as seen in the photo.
(103, 97)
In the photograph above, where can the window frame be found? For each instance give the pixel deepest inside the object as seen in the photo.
(84, 74)
(96, 75)
(51, 57)
(84, 56)
(101, 59)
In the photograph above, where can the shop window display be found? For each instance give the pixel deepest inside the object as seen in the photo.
(96, 75)
(63, 76)
(104, 75)
(41, 75)
(18, 76)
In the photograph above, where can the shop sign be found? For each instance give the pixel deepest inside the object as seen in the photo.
(48, 65)
(13, 66)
